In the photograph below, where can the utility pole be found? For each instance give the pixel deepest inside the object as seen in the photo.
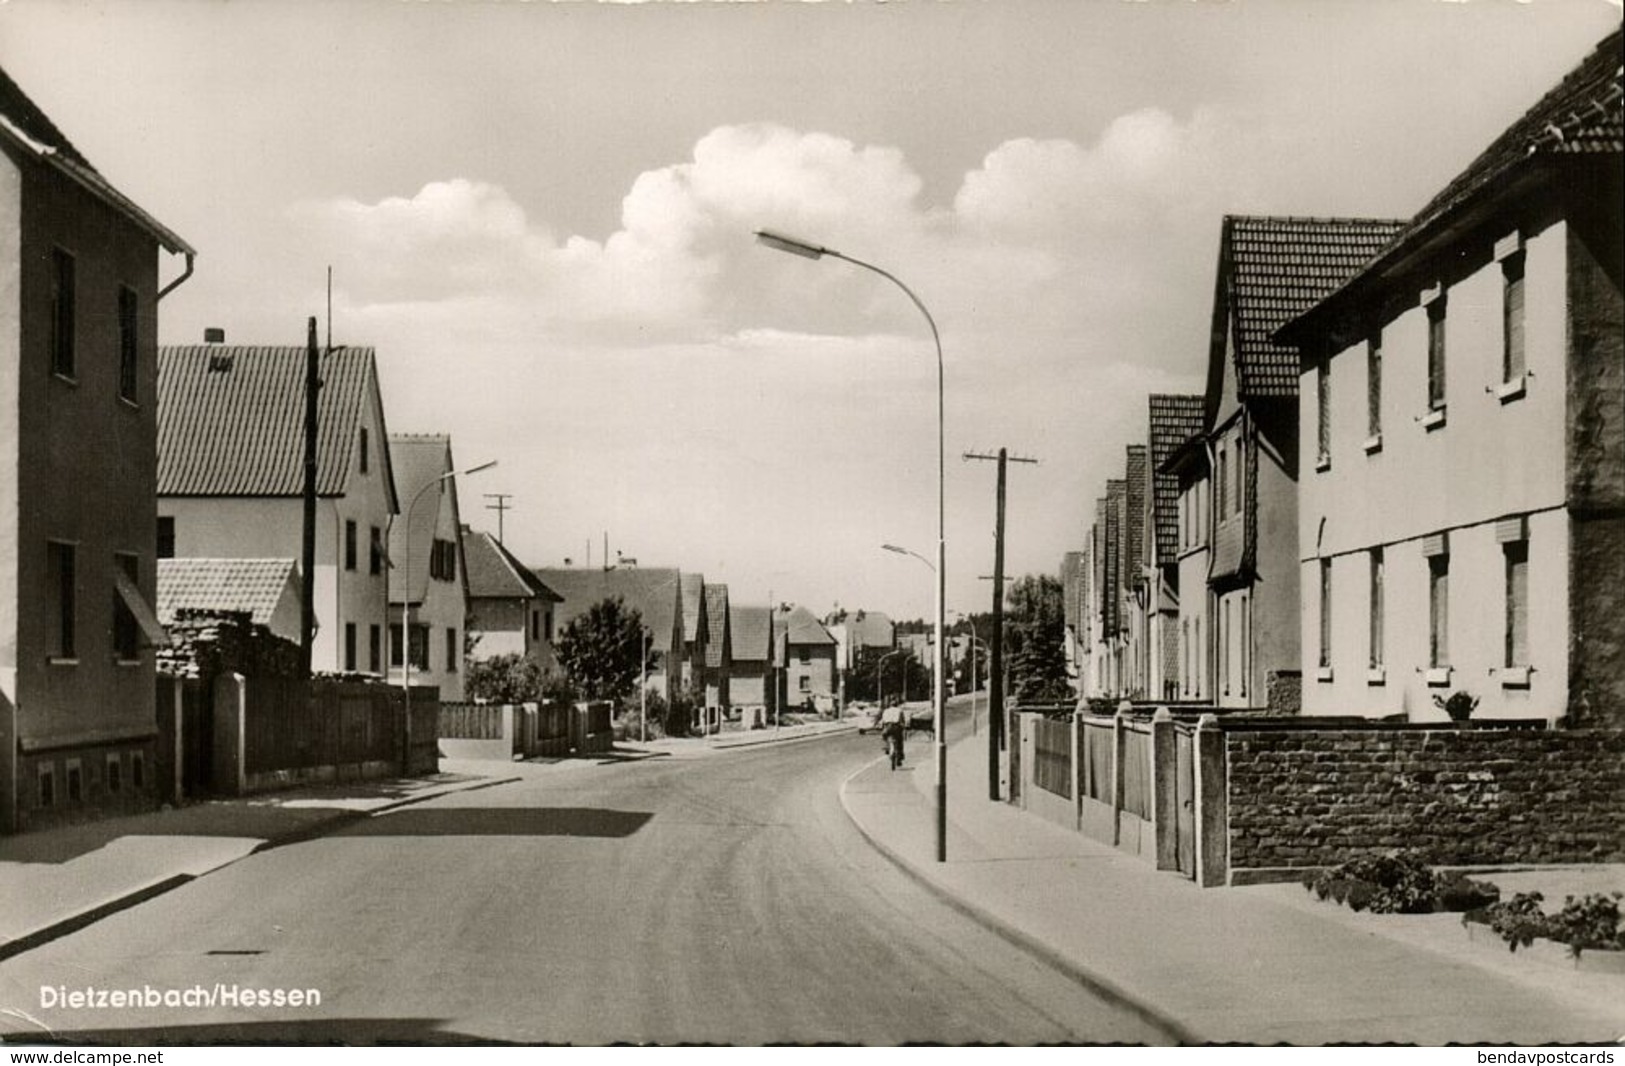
(995, 674)
(500, 507)
(307, 628)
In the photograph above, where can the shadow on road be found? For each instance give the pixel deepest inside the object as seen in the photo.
(501, 821)
(329, 1031)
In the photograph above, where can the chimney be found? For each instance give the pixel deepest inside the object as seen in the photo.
(214, 335)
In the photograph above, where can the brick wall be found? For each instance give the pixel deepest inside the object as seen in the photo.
(1310, 798)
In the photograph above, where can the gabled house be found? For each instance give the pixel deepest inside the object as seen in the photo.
(264, 590)
(1463, 397)
(510, 609)
(806, 655)
(654, 592)
(1173, 421)
(1269, 271)
(1138, 591)
(427, 575)
(715, 672)
(231, 478)
(696, 626)
(79, 292)
(1189, 467)
(1074, 596)
(751, 684)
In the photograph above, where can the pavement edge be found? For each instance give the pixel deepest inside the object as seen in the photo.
(1096, 984)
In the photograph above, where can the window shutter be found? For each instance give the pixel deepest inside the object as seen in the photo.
(1511, 530)
(1435, 544)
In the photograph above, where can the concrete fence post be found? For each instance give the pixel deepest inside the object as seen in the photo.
(230, 733)
(177, 712)
(1119, 746)
(1212, 817)
(1077, 777)
(1165, 788)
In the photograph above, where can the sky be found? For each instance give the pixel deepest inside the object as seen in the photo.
(541, 216)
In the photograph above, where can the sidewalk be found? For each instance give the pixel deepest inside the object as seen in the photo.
(1261, 965)
(58, 880)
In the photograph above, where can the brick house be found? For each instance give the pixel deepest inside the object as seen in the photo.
(1173, 420)
(79, 299)
(1464, 398)
(231, 478)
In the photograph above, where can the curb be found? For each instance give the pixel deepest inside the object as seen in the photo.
(754, 743)
(75, 922)
(1097, 985)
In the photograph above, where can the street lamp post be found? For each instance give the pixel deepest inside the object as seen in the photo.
(812, 251)
(406, 602)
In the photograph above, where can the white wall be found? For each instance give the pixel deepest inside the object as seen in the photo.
(1491, 458)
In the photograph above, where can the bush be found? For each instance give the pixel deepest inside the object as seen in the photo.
(1586, 923)
(1459, 894)
(1388, 884)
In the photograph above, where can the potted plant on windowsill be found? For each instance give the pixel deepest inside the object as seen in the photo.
(1459, 706)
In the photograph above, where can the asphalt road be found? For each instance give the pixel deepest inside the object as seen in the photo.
(723, 898)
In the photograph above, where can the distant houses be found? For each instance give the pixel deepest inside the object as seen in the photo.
(510, 609)
(79, 293)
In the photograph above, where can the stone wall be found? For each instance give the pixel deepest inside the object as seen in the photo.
(1310, 798)
(207, 643)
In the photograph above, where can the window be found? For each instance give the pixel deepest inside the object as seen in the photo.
(62, 313)
(349, 647)
(1240, 468)
(547, 624)
(535, 625)
(1224, 479)
(420, 647)
(115, 772)
(1244, 648)
(363, 450)
(166, 537)
(1323, 398)
(1373, 386)
(395, 639)
(349, 544)
(804, 654)
(47, 784)
(1375, 631)
(129, 354)
(443, 560)
(126, 634)
(1512, 354)
(63, 583)
(1224, 649)
(1325, 613)
(1439, 611)
(1436, 354)
(75, 777)
(453, 652)
(138, 770)
(806, 683)
(375, 555)
(1517, 597)
(375, 649)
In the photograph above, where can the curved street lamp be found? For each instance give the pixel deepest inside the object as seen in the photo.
(780, 242)
(406, 601)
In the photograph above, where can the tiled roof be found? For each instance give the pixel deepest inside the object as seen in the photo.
(716, 614)
(800, 626)
(1111, 592)
(1273, 269)
(651, 591)
(231, 419)
(25, 125)
(1174, 420)
(17, 109)
(494, 572)
(1583, 115)
(870, 629)
(252, 586)
(693, 586)
(750, 633)
(418, 460)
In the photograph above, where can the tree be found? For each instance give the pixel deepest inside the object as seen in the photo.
(601, 650)
(1035, 631)
(504, 679)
